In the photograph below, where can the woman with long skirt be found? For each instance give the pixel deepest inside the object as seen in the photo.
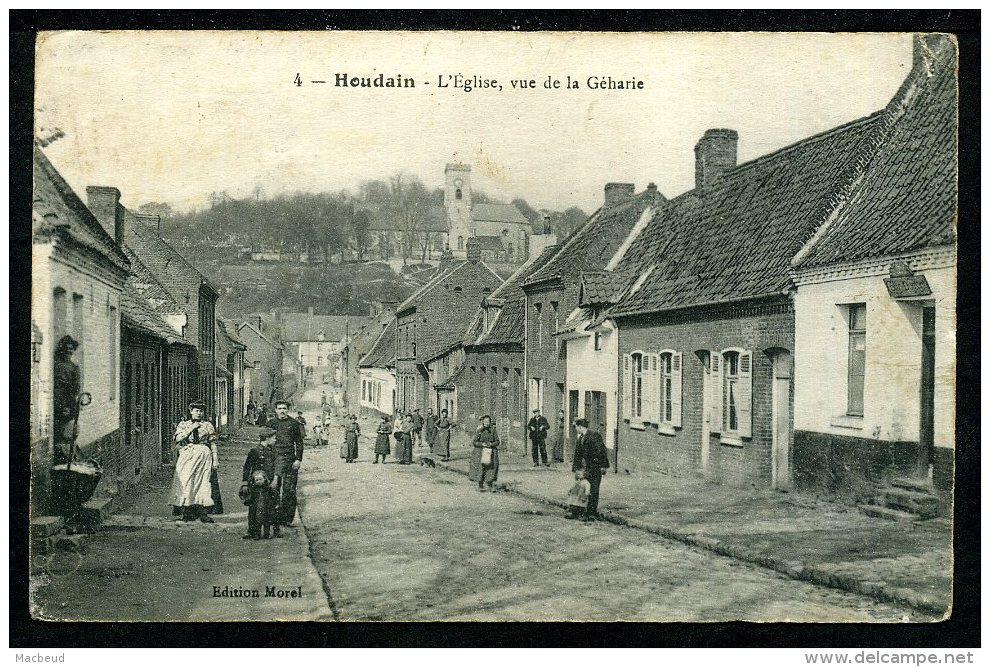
(192, 494)
(406, 443)
(351, 433)
(383, 446)
(484, 459)
(444, 429)
(430, 429)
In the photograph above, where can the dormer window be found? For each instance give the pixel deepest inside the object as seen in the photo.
(458, 194)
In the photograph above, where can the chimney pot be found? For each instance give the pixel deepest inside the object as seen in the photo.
(104, 203)
(616, 193)
(473, 250)
(714, 154)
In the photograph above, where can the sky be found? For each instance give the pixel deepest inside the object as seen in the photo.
(173, 116)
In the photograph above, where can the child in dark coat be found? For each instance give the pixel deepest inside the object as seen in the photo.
(260, 489)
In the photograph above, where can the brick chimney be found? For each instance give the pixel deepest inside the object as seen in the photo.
(104, 203)
(473, 250)
(446, 259)
(616, 193)
(714, 154)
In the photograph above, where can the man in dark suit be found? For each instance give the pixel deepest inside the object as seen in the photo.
(590, 456)
(538, 428)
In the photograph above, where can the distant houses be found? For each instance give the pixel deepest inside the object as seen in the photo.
(316, 341)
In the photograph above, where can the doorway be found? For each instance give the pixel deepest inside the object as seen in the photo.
(594, 411)
(572, 414)
(706, 407)
(780, 455)
(926, 432)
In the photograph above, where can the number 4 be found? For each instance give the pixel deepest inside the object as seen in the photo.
(297, 80)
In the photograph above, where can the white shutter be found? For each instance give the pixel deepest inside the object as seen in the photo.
(649, 387)
(744, 407)
(716, 392)
(675, 389)
(657, 415)
(626, 386)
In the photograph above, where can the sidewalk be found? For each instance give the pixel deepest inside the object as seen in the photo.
(801, 537)
(143, 565)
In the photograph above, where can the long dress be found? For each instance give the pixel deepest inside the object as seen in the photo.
(382, 437)
(191, 485)
(430, 431)
(442, 447)
(351, 439)
(485, 438)
(558, 443)
(406, 443)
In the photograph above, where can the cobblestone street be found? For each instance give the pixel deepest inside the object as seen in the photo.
(399, 542)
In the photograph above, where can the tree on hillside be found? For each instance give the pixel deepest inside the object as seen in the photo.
(360, 230)
(530, 213)
(161, 209)
(404, 201)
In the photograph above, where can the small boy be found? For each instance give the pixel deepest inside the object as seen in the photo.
(260, 489)
(577, 497)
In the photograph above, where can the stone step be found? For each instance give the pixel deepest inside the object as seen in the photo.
(96, 511)
(912, 484)
(922, 504)
(881, 512)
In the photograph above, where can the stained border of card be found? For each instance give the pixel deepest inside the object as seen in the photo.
(960, 630)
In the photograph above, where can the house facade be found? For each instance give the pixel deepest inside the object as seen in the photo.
(875, 307)
(316, 341)
(356, 348)
(551, 296)
(79, 276)
(263, 356)
(231, 402)
(432, 322)
(376, 392)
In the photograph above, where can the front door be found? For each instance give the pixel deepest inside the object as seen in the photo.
(706, 408)
(781, 416)
(926, 439)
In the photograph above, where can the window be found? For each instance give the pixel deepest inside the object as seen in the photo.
(857, 358)
(635, 368)
(539, 324)
(458, 194)
(732, 411)
(555, 311)
(598, 340)
(460, 243)
(79, 333)
(669, 388)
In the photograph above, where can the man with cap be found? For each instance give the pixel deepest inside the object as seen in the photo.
(538, 429)
(591, 457)
(288, 452)
(195, 444)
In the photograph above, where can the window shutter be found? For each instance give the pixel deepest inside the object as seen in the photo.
(745, 407)
(675, 389)
(649, 386)
(626, 386)
(715, 417)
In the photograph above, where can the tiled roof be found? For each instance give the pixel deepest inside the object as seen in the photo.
(136, 314)
(507, 329)
(452, 381)
(170, 267)
(300, 327)
(229, 331)
(262, 336)
(907, 197)
(497, 213)
(435, 350)
(603, 287)
(57, 207)
(382, 353)
(148, 286)
(735, 239)
(593, 244)
(437, 279)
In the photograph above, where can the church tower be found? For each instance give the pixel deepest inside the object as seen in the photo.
(457, 201)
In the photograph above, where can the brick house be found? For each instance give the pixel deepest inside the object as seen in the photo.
(262, 363)
(875, 307)
(432, 322)
(489, 377)
(231, 405)
(189, 288)
(376, 375)
(706, 331)
(77, 283)
(551, 292)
